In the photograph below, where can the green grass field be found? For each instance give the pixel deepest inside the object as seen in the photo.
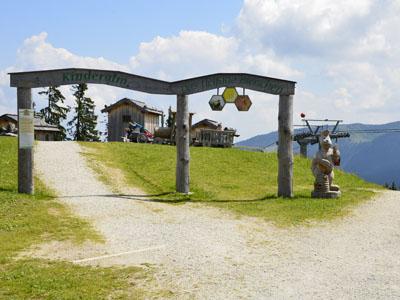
(243, 182)
(28, 220)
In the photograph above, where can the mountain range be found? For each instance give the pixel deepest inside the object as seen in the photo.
(372, 151)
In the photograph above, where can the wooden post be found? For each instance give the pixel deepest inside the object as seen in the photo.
(25, 154)
(182, 144)
(285, 147)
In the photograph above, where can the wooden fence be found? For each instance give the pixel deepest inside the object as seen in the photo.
(215, 138)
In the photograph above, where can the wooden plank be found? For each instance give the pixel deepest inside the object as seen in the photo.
(112, 126)
(153, 86)
(78, 75)
(25, 156)
(285, 146)
(182, 144)
(248, 81)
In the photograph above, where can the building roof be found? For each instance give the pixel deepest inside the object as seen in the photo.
(210, 123)
(38, 122)
(139, 104)
(10, 117)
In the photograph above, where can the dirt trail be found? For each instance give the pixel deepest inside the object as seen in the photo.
(206, 253)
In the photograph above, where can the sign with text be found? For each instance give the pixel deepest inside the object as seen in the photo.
(150, 85)
(25, 128)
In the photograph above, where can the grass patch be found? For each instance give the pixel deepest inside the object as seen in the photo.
(243, 182)
(43, 279)
(26, 220)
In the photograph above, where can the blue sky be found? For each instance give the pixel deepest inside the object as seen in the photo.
(112, 29)
(344, 55)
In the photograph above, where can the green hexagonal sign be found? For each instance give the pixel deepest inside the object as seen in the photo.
(217, 102)
(243, 103)
(230, 95)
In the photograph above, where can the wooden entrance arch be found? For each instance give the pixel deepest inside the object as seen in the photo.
(25, 81)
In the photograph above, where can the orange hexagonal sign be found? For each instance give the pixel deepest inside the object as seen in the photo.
(230, 94)
(217, 102)
(243, 103)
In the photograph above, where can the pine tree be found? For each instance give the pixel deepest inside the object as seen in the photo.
(55, 113)
(83, 124)
(393, 186)
(170, 119)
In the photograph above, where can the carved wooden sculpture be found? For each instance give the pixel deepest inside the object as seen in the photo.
(322, 167)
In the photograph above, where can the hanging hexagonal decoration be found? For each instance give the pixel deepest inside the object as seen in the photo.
(230, 94)
(217, 102)
(243, 103)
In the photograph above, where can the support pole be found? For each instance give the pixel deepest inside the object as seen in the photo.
(182, 144)
(25, 153)
(285, 146)
(303, 150)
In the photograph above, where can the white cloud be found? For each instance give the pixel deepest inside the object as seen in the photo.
(3, 77)
(270, 65)
(343, 98)
(36, 53)
(195, 53)
(190, 53)
(365, 87)
(302, 26)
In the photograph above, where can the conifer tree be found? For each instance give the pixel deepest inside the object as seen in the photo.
(393, 186)
(170, 119)
(83, 124)
(55, 112)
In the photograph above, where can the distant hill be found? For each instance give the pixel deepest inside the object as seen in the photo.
(372, 156)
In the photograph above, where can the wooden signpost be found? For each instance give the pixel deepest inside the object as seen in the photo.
(25, 81)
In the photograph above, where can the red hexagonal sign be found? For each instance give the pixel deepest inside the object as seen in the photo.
(217, 102)
(243, 103)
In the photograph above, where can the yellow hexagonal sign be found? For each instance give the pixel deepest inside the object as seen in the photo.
(230, 95)
(243, 103)
(217, 102)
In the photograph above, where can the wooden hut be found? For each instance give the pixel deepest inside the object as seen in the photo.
(128, 110)
(209, 133)
(43, 130)
(205, 124)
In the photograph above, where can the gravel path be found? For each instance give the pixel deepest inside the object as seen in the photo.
(206, 253)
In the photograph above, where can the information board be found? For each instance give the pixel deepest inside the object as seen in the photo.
(25, 128)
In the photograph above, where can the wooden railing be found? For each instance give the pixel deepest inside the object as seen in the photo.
(215, 138)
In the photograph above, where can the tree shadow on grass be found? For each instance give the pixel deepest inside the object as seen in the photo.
(8, 190)
(182, 198)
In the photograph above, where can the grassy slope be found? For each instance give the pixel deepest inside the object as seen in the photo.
(243, 182)
(26, 220)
